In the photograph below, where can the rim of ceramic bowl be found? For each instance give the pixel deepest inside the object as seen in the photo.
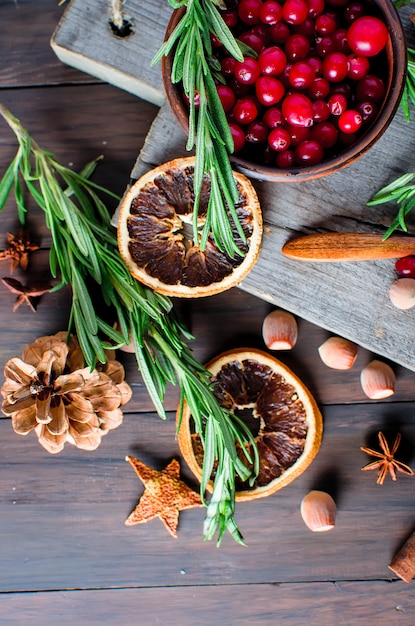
(396, 55)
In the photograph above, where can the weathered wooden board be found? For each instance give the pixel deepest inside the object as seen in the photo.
(346, 298)
(62, 518)
(314, 604)
(85, 40)
(350, 299)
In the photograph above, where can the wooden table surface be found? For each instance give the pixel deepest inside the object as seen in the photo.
(65, 555)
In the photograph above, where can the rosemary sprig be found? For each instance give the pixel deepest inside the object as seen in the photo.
(408, 95)
(195, 67)
(403, 193)
(84, 251)
(398, 4)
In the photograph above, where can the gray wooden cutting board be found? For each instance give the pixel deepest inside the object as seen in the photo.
(350, 299)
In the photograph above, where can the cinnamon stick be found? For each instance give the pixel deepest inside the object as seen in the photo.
(403, 563)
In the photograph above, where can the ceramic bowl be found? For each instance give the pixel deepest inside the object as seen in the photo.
(394, 74)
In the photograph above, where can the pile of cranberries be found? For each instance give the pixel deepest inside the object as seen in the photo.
(316, 83)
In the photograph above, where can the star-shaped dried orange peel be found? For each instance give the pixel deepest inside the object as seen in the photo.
(165, 495)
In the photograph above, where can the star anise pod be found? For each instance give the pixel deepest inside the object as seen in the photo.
(387, 462)
(18, 250)
(29, 294)
(50, 391)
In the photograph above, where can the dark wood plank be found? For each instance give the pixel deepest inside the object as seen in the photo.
(63, 517)
(315, 604)
(234, 319)
(27, 27)
(222, 322)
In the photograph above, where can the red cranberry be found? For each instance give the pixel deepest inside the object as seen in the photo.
(285, 159)
(350, 121)
(301, 75)
(309, 153)
(269, 90)
(270, 12)
(358, 66)
(247, 71)
(337, 103)
(315, 7)
(230, 18)
(353, 11)
(306, 28)
(256, 132)
(268, 156)
(371, 87)
(279, 139)
(238, 136)
(248, 11)
(340, 41)
(226, 96)
(297, 47)
(316, 63)
(273, 117)
(295, 11)
(325, 133)
(216, 43)
(368, 110)
(298, 134)
(319, 88)
(321, 111)
(272, 61)
(228, 66)
(279, 32)
(262, 30)
(297, 109)
(245, 110)
(367, 36)
(335, 67)
(325, 24)
(252, 40)
(325, 45)
(406, 266)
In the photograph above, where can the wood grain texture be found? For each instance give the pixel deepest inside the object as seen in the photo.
(66, 556)
(84, 40)
(26, 25)
(316, 604)
(63, 517)
(229, 320)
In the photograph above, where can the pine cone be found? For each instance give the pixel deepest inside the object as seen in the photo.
(50, 391)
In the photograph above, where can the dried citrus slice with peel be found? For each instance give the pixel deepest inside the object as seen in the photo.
(278, 407)
(155, 233)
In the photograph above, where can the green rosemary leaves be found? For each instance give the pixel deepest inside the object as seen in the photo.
(84, 254)
(196, 69)
(403, 193)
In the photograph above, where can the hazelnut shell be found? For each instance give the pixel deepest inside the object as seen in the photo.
(318, 511)
(279, 330)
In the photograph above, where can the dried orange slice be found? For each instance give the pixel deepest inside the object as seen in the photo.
(155, 233)
(264, 391)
